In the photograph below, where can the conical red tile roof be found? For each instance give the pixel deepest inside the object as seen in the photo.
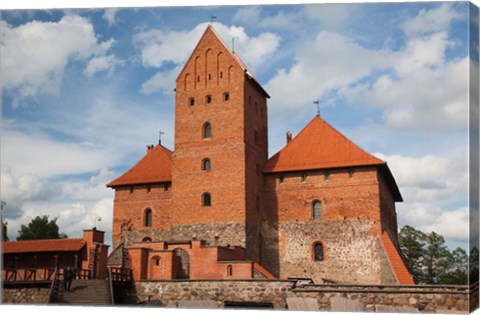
(319, 146)
(154, 167)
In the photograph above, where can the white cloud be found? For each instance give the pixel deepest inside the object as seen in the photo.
(430, 21)
(453, 225)
(430, 177)
(109, 15)
(160, 47)
(324, 64)
(161, 81)
(102, 63)
(332, 17)
(35, 54)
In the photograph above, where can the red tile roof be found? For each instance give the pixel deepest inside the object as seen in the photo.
(400, 270)
(319, 146)
(50, 245)
(154, 167)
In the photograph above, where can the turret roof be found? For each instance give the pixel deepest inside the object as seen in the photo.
(154, 167)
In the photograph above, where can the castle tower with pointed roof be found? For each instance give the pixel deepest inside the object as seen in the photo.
(217, 207)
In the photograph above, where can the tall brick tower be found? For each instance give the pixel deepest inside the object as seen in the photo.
(221, 146)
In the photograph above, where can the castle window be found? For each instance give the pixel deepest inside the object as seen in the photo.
(166, 186)
(148, 217)
(303, 178)
(191, 101)
(229, 270)
(146, 239)
(350, 173)
(327, 175)
(281, 178)
(318, 251)
(206, 200)
(149, 188)
(208, 99)
(207, 130)
(206, 164)
(226, 96)
(316, 209)
(209, 76)
(157, 262)
(131, 189)
(221, 74)
(198, 78)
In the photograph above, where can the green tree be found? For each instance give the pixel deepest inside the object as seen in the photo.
(429, 260)
(412, 244)
(4, 231)
(40, 228)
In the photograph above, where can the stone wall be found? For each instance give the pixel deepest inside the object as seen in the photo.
(367, 298)
(351, 253)
(215, 233)
(25, 295)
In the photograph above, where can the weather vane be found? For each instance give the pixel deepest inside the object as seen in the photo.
(318, 107)
(212, 17)
(160, 133)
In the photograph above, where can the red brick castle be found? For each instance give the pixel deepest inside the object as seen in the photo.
(218, 207)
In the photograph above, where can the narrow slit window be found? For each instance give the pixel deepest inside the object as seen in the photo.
(226, 97)
(148, 217)
(191, 101)
(206, 200)
(207, 130)
(318, 252)
(209, 99)
(317, 209)
(206, 164)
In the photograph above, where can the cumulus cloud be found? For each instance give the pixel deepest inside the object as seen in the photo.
(35, 54)
(430, 21)
(453, 225)
(102, 63)
(326, 63)
(161, 48)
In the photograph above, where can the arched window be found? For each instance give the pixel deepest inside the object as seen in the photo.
(206, 164)
(316, 209)
(207, 130)
(318, 251)
(148, 217)
(206, 200)
(229, 270)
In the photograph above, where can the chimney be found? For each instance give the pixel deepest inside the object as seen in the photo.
(289, 136)
(149, 147)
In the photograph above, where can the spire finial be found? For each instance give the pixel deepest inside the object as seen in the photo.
(160, 133)
(318, 107)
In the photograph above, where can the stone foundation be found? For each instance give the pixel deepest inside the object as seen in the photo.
(429, 299)
(25, 295)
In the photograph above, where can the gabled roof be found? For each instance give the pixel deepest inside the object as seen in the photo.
(399, 269)
(319, 146)
(49, 245)
(154, 167)
(248, 73)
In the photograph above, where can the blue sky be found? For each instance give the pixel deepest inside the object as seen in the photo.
(85, 90)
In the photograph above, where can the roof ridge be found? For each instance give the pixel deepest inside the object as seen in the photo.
(47, 239)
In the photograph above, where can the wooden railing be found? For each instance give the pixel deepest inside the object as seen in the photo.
(40, 274)
(120, 274)
(55, 288)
